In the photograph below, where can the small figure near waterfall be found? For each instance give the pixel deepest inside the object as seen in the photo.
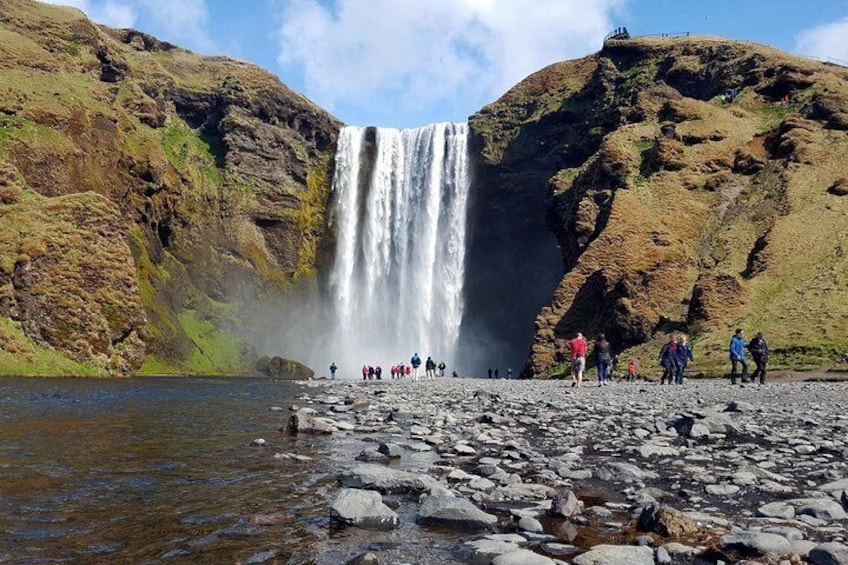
(497, 373)
(365, 372)
(430, 368)
(333, 370)
(442, 368)
(490, 372)
(631, 371)
(415, 362)
(370, 373)
(509, 373)
(378, 372)
(577, 347)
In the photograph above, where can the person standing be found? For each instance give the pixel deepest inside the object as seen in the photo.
(684, 355)
(668, 360)
(603, 360)
(737, 356)
(364, 372)
(333, 370)
(442, 368)
(577, 347)
(415, 361)
(370, 372)
(378, 372)
(631, 371)
(490, 372)
(509, 373)
(758, 348)
(497, 373)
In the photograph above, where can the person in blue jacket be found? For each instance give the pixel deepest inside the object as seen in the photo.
(684, 354)
(415, 361)
(668, 360)
(333, 370)
(737, 357)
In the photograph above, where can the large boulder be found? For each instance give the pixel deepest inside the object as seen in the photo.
(363, 508)
(454, 512)
(286, 369)
(616, 555)
(304, 421)
(666, 521)
(756, 544)
(386, 480)
(829, 554)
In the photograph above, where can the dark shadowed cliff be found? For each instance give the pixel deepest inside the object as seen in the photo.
(121, 155)
(672, 210)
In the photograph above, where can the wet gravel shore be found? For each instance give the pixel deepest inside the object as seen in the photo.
(539, 472)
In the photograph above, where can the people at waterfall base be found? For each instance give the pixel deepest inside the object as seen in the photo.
(577, 347)
(364, 372)
(631, 371)
(668, 360)
(370, 372)
(333, 370)
(603, 359)
(497, 373)
(408, 370)
(737, 357)
(378, 372)
(455, 375)
(415, 361)
(758, 348)
(615, 363)
(509, 373)
(442, 367)
(490, 372)
(684, 355)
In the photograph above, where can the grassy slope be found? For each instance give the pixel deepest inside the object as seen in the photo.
(67, 131)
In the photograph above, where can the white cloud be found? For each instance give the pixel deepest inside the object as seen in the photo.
(825, 41)
(184, 22)
(418, 55)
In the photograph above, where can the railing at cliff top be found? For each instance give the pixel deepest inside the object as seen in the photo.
(827, 60)
(621, 33)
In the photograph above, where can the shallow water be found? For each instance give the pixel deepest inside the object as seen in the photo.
(134, 471)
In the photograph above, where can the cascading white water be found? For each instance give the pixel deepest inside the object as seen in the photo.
(400, 216)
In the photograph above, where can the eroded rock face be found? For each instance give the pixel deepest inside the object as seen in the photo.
(672, 211)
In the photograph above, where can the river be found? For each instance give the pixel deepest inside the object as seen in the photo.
(152, 469)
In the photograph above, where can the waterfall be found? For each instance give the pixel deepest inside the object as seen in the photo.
(400, 199)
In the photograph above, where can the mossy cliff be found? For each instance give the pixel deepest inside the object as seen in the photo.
(210, 171)
(672, 210)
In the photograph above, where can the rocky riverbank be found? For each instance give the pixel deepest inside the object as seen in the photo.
(537, 472)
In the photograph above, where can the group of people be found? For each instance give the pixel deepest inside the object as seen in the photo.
(674, 357)
(401, 370)
(497, 373)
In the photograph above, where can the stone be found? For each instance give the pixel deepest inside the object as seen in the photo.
(304, 421)
(258, 442)
(666, 521)
(699, 430)
(367, 558)
(565, 504)
(522, 557)
(483, 551)
(616, 555)
(530, 524)
(722, 490)
(829, 554)
(776, 510)
(385, 480)
(756, 543)
(364, 509)
(455, 512)
(821, 508)
(838, 485)
(390, 450)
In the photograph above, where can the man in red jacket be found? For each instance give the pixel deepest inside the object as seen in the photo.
(577, 347)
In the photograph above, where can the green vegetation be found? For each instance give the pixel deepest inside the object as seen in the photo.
(20, 356)
(183, 146)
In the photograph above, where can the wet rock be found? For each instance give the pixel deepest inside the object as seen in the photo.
(455, 512)
(777, 510)
(376, 477)
(261, 557)
(565, 504)
(364, 509)
(258, 442)
(304, 421)
(756, 543)
(372, 455)
(829, 554)
(616, 555)
(483, 551)
(522, 557)
(821, 508)
(529, 524)
(666, 521)
(390, 450)
(367, 558)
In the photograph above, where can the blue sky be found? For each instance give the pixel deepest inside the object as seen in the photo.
(405, 63)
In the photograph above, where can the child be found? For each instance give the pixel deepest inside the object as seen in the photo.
(631, 371)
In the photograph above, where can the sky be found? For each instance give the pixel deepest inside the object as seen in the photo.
(407, 63)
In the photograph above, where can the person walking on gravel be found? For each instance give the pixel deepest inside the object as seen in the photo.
(737, 356)
(684, 355)
(758, 348)
(577, 347)
(415, 361)
(603, 359)
(668, 360)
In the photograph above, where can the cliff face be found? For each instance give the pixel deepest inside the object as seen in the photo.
(212, 172)
(674, 211)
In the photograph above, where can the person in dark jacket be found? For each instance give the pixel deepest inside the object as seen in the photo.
(758, 348)
(684, 354)
(603, 359)
(333, 370)
(668, 360)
